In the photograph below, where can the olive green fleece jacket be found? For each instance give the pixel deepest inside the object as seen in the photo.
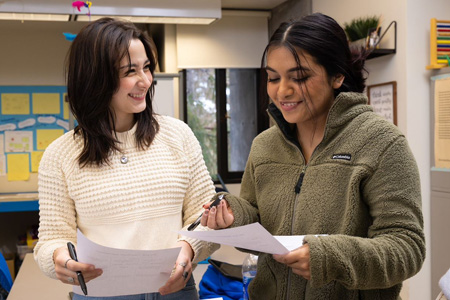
(361, 187)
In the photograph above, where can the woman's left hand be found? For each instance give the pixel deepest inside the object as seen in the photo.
(182, 270)
(298, 260)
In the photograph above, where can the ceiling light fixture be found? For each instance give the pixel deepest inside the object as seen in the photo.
(33, 17)
(138, 11)
(157, 20)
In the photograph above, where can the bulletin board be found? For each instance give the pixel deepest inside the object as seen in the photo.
(31, 117)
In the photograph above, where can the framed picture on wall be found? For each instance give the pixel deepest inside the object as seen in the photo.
(383, 99)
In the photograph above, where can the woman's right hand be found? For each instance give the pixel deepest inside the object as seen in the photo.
(218, 217)
(65, 268)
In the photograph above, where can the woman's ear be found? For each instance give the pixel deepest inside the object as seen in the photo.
(338, 80)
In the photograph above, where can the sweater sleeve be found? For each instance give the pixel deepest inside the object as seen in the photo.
(200, 191)
(57, 221)
(394, 249)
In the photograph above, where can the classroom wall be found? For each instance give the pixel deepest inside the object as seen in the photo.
(235, 41)
(286, 11)
(33, 53)
(407, 67)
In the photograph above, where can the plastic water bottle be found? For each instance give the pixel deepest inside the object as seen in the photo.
(248, 272)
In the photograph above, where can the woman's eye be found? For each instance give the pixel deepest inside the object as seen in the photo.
(273, 79)
(303, 79)
(129, 71)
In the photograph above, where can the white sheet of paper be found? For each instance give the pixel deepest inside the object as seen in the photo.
(252, 237)
(291, 242)
(125, 272)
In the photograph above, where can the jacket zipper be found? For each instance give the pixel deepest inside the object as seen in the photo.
(298, 188)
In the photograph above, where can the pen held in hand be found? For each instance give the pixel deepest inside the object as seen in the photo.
(73, 255)
(197, 222)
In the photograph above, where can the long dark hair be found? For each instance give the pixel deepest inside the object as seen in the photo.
(322, 37)
(92, 68)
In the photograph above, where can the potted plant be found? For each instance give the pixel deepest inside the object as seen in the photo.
(358, 30)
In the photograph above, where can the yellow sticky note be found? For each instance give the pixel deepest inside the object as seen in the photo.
(45, 136)
(66, 108)
(18, 167)
(15, 104)
(46, 103)
(35, 160)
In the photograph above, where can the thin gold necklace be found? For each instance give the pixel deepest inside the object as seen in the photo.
(124, 158)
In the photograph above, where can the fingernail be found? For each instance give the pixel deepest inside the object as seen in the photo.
(213, 210)
(206, 212)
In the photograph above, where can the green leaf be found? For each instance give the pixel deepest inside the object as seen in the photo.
(359, 28)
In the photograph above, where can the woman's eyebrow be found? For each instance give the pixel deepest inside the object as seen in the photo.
(301, 69)
(296, 69)
(127, 66)
(134, 65)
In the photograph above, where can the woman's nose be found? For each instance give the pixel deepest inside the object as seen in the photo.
(285, 90)
(145, 79)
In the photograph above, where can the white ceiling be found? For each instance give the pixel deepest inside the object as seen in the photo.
(251, 4)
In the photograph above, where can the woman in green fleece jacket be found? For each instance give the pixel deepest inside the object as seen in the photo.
(329, 166)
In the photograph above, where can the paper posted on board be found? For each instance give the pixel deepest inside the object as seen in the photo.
(442, 123)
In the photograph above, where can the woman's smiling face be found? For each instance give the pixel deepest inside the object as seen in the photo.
(135, 80)
(302, 93)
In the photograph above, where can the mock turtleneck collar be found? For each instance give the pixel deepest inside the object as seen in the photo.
(127, 138)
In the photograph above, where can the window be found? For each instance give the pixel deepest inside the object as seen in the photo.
(223, 110)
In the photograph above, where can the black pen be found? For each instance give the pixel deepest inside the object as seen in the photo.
(73, 255)
(197, 222)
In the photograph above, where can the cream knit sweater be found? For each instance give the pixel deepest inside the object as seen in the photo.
(137, 205)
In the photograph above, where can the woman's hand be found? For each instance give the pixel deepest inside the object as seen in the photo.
(218, 217)
(298, 260)
(182, 270)
(65, 268)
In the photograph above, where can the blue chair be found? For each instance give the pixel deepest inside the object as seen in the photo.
(5, 275)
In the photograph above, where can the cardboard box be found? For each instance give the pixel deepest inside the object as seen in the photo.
(10, 263)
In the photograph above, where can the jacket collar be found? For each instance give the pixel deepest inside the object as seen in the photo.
(345, 108)
(287, 129)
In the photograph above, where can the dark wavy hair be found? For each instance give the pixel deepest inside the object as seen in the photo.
(322, 37)
(92, 68)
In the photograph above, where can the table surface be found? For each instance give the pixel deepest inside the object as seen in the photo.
(31, 283)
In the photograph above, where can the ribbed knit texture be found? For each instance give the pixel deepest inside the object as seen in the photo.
(137, 205)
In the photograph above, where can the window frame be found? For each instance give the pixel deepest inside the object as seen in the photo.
(262, 119)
